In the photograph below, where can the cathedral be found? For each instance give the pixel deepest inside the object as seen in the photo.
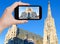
(18, 36)
(50, 36)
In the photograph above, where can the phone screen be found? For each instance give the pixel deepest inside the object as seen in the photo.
(31, 12)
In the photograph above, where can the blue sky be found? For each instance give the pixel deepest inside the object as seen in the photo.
(35, 26)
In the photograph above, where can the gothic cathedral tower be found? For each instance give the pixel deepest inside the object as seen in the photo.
(10, 34)
(50, 36)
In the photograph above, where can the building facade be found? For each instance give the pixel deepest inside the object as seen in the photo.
(10, 34)
(50, 36)
(20, 36)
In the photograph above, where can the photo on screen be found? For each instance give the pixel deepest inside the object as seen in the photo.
(28, 12)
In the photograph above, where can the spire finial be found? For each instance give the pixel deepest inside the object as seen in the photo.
(49, 9)
(48, 1)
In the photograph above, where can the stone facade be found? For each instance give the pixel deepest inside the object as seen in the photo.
(50, 36)
(16, 35)
(10, 34)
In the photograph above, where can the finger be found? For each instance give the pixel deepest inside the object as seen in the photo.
(20, 21)
(16, 4)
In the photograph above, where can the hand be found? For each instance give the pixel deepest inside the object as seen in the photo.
(7, 18)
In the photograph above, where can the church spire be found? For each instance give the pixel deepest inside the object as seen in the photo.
(49, 9)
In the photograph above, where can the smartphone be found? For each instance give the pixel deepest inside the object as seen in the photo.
(28, 12)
